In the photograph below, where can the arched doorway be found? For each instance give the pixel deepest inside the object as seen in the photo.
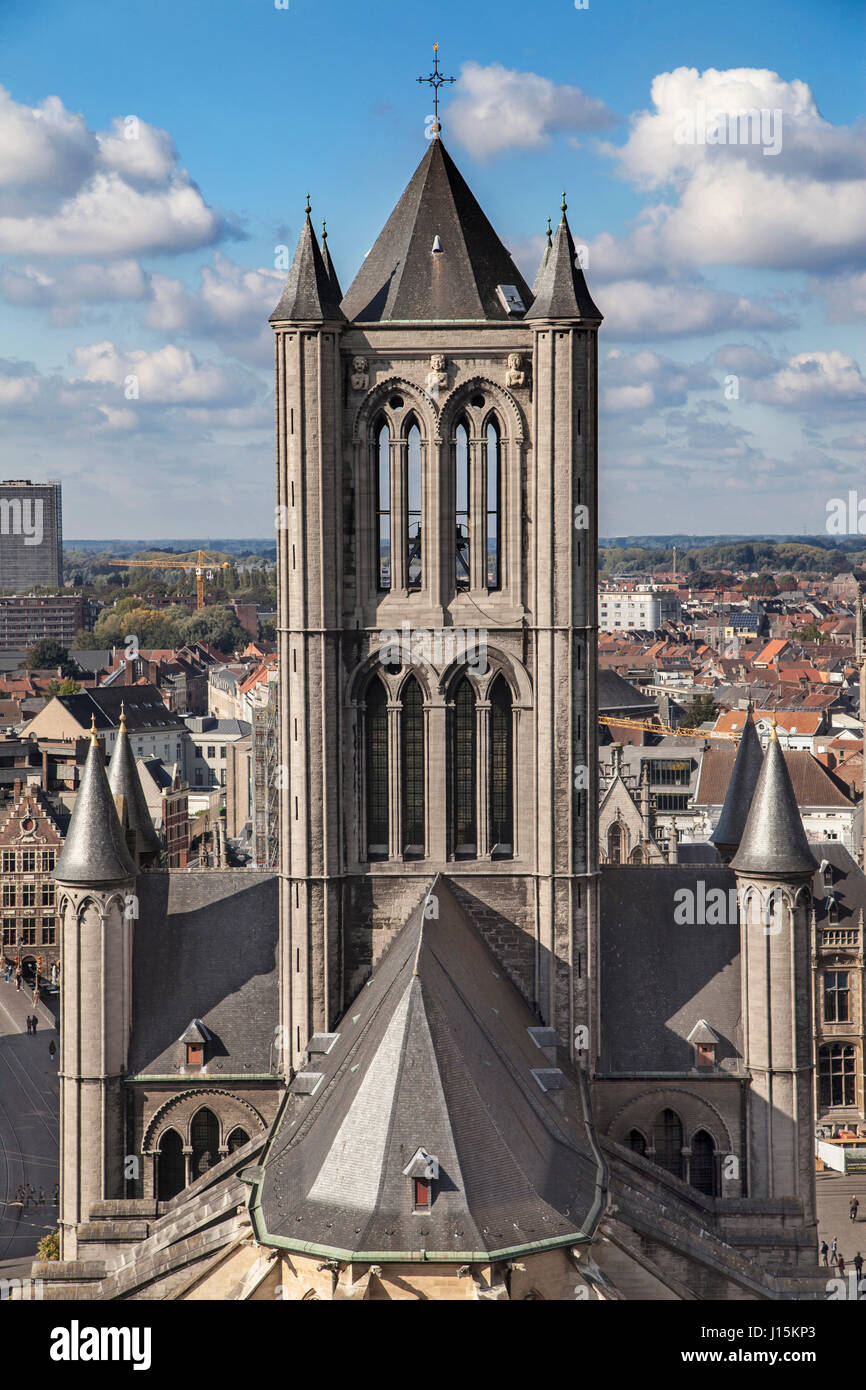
(170, 1172)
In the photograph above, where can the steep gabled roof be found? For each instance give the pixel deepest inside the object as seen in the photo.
(403, 279)
(436, 1052)
(310, 294)
(560, 288)
(94, 852)
(774, 841)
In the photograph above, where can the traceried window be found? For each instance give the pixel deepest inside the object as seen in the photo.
(414, 566)
(237, 1139)
(636, 1142)
(702, 1166)
(837, 996)
(376, 730)
(501, 759)
(836, 1074)
(464, 771)
(412, 731)
(205, 1137)
(170, 1174)
(383, 508)
(463, 576)
(668, 1142)
(493, 557)
(615, 846)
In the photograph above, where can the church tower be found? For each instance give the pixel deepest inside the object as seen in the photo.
(95, 878)
(773, 866)
(437, 462)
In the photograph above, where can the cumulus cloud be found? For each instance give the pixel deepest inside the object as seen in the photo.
(639, 309)
(793, 196)
(169, 376)
(69, 191)
(497, 108)
(644, 381)
(813, 378)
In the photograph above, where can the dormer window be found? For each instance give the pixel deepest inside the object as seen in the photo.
(422, 1170)
(194, 1041)
(705, 1044)
(706, 1054)
(194, 1054)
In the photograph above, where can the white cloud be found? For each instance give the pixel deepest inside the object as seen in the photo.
(645, 381)
(497, 108)
(638, 309)
(68, 191)
(813, 378)
(169, 376)
(845, 297)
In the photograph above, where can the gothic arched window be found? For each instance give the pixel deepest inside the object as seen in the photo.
(636, 1142)
(170, 1170)
(205, 1139)
(412, 742)
(464, 771)
(376, 731)
(702, 1168)
(501, 762)
(462, 487)
(668, 1142)
(414, 567)
(237, 1139)
(615, 846)
(493, 558)
(383, 507)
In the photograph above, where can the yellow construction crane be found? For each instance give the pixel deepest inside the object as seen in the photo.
(203, 569)
(660, 728)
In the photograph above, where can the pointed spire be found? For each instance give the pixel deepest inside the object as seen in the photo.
(560, 290)
(774, 843)
(94, 851)
(336, 292)
(123, 780)
(741, 789)
(308, 296)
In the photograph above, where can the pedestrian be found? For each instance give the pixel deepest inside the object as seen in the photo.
(21, 1193)
(30, 1194)
(825, 1251)
(52, 1050)
(35, 1023)
(42, 1196)
(834, 1246)
(840, 1263)
(18, 978)
(27, 1021)
(853, 1208)
(858, 1264)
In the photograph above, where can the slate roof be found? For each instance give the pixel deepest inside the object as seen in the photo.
(336, 292)
(560, 287)
(741, 788)
(435, 1053)
(774, 841)
(144, 706)
(615, 694)
(123, 779)
(205, 947)
(95, 851)
(402, 279)
(813, 783)
(309, 295)
(658, 978)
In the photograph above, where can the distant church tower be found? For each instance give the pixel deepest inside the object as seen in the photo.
(437, 483)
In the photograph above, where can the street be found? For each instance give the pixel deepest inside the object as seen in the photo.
(29, 1127)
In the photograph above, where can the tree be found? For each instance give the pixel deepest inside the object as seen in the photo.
(763, 585)
(49, 1246)
(46, 654)
(702, 709)
(216, 627)
(65, 687)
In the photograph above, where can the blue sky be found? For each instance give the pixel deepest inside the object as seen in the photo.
(732, 279)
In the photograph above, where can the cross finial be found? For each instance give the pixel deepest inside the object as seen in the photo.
(436, 80)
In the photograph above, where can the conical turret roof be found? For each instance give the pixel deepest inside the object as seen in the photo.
(309, 295)
(741, 790)
(774, 842)
(404, 279)
(560, 288)
(336, 292)
(94, 851)
(123, 780)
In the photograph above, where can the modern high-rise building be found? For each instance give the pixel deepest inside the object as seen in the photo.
(31, 535)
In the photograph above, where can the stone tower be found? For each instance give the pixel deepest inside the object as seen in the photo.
(437, 464)
(773, 866)
(95, 874)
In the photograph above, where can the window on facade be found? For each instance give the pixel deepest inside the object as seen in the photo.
(8, 894)
(170, 1173)
(205, 1138)
(383, 508)
(47, 894)
(47, 861)
(501, 762)
(668, 1142)
(28, 895)
(421, 1193)
(702, 1167)
(705, 1054)
(28, 861)
(414, 567)
(211, 752)
(464, 771)
(836, 996)
(636, 1142)
(412, 730)
(48, 931)
(10, 935)
(194, 1054)
(494, 482)
(8, 861)
(463, 575)
(615, 843)
(836, 1074)
(376, 730)
(28, 931)
(237, 1139)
